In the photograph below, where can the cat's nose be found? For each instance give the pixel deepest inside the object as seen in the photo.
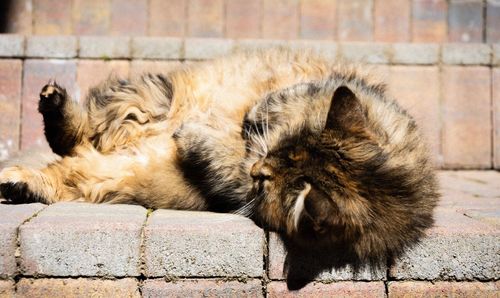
(261, 170)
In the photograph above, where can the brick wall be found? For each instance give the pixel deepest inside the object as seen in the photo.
(82, 250)
(451, 89)
(343, 20)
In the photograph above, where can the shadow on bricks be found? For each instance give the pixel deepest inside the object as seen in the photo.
(303, 266)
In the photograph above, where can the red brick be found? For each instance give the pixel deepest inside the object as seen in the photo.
(91, 17)
(51, 17)
(416, 88)
(36, 74)
(79, 287)
(19, 18)
(392, 20)
(129, 17)
(336, 289)
(243, 18)
(355, 22)
(201, 288)
(443, 289)
(6, 289)
(493, 22)
(466, 118)
(318, 19)
(496, 116)
(167, 17)
(206, 18)
(92, 72)
(280, 19)
(465, 21)
(429, 20)
(10, 105)
(138, 67)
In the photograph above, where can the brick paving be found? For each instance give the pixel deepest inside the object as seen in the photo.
(169, 252)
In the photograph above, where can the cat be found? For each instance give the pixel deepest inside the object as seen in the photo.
(305, 147)
(333, 162)
(121, 145)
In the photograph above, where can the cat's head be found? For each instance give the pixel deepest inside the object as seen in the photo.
(341, 180)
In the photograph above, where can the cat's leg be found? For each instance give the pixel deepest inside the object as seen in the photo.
(64, 119)
(23, 185)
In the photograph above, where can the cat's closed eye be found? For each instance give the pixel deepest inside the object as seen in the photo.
(298, 155)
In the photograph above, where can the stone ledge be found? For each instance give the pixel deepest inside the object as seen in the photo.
(80, 239)
(11, 218)
(167, 48)
(51, 46)
(188, 252)
(305, 266)
(188, 243)
(104, 47)
(11, 45)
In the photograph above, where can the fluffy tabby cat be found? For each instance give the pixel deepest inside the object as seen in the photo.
(333, 162)
(304, 147)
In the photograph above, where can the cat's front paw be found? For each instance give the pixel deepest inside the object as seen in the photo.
(52, 98)
(15, 188)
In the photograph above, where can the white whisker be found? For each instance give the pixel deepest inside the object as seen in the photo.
(255, 151)
(246, 210)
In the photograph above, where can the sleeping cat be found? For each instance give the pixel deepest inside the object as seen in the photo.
(332, 162)
(120, 148)
(305, 148)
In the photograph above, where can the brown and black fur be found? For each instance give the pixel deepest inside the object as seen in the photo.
(305, 147)
(354, 174)
(119, 146)
(356, 157)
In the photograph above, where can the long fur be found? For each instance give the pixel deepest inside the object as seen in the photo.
(119, 146)
(306, 147)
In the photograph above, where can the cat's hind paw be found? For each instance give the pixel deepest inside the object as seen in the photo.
(14, 189)
(52, 98)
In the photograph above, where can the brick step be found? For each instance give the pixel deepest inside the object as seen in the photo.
(416, 20)
(124, 248)
(172, 48)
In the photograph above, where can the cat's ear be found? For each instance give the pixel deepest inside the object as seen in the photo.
(319, 208)
(346, 112)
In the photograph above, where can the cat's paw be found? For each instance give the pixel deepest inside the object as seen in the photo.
(15, 188)
(52, 97)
